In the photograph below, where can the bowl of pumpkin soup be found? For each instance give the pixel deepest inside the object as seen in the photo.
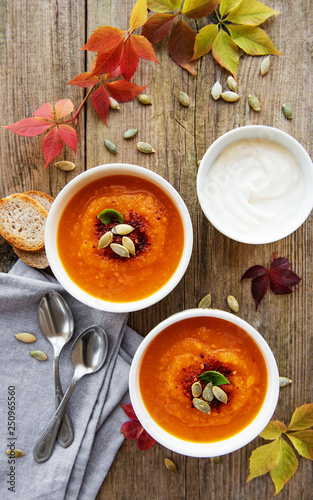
(118, 237)
(204, 383)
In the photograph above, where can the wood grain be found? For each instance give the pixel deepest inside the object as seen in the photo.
(39, 53)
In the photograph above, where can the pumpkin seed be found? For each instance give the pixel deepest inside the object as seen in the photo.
(144, 147)
(283, 381)
(130, 133)
(169, 464)
(205, 303)
(196, 389)
(28, 338)
(15, 453)
(232, 84)
(229, 96)
(114, 104)
(105, 240)
(216, 90)
(119, 250)
(110, 146)
(198, 163)
(219, 394)
(128, 243)
(184, 99)
(66, 166)
(144, 99)
(254, 102)
(122, 229)
(265, 65)
(233, 304)
(201, 405)
(41, 356)
(287, 111)
(207, 393)
(215, 460)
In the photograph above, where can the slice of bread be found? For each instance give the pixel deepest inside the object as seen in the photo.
(22, 222)
(33, 259)
(43, 198)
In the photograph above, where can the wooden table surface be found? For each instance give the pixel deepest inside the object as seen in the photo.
(39, 54)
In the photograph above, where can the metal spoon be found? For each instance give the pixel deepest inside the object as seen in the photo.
(88, 355)
(57, 325)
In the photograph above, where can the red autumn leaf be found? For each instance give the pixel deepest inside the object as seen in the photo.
(130, 59)
(279, 277)
(108, 60)
(68, 135)
(143, 48)
(112, 74)
(84, 80)
(45, 111)
(181, 44)
(145, 441)
(52, 145)
(131, 429)
(29, 127)
(158, 26)
(63, 108)
(101, 102)
(129, 410)
(123, 91)
(195, 9)
(104, 38)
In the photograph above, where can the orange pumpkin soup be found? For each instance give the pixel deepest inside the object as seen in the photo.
(176, 357)
(157, 236)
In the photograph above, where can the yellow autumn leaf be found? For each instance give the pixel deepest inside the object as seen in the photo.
(225, 52)
(273, 430)
(204, 40)
(139, 15)
(302, 418)
(250, 12)
(252, 40)
(264, 459)
(303, 442)
(227, 5)
(196, 9)
(164, 5)
(286, 467)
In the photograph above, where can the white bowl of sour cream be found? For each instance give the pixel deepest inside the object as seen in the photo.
(254, 184)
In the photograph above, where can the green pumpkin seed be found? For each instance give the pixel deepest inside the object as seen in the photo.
(265, 65)
(144, 147)
(287, 111)
(216, 90)
(184, 99)
(144, 99)
(229, 96)
(66, 166)
(254, 102)
(15, 453)
(41, 356)
(128, 243)
(196, 389)
(105, 240)
(207, 393)
(169, 464)
(28, 338)
(130, 133)
(122, 229)
(119, 250)
(114, 104)
(205, 303)
(219, 394)
(232, 84)
(110, 146)
(283, 381)
(201, 405)
(233, 304)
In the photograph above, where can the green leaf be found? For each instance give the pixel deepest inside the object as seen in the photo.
(204, 40)
(273, 430)
(227, 5)
(225, 52)
(286, 467)
(264, 459)
(302, 418)
(216, 377)
(163, 5)
(303, 442)
(250, 12)
(195, 9)
(252, 40)
(106, 215)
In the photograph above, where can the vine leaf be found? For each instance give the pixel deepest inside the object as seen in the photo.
(286, 467)
(84, 80)
(195, 9)
(133, 429)
(103, 38)
(273, 430)
(180, 45)
(250, 12)
(204, 40)
(158, 27)
(63, 108)
(163, 5)
(45, 111)
(52, 145)
(303, 442)
(101, 102)
(264, 459)
(29, 127)
(252, 40)
(225, 52)
(227, 5)
(69, 136)
(139, 15)
(123, 91)
(302, 418)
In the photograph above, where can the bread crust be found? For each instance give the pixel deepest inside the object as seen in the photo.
(43, 198)
(34, 259)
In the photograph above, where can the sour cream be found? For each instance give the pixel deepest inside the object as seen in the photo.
(254, 188)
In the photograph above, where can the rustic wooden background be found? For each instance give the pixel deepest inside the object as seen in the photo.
(39, 53)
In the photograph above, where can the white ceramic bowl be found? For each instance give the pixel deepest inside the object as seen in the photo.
(52, 226)
(220, 447)
(256, 132)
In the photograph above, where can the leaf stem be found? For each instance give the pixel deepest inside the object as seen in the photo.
(81, 106)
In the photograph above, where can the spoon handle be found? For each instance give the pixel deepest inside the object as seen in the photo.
(45, 443)
(66, 433)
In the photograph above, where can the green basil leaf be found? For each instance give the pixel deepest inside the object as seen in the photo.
(216, 377)
(106, 215)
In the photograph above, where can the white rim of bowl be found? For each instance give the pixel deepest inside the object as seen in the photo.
(60, 203)
(259, 132)
(216, 448)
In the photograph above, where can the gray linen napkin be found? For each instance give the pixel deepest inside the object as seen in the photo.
(94, 409)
